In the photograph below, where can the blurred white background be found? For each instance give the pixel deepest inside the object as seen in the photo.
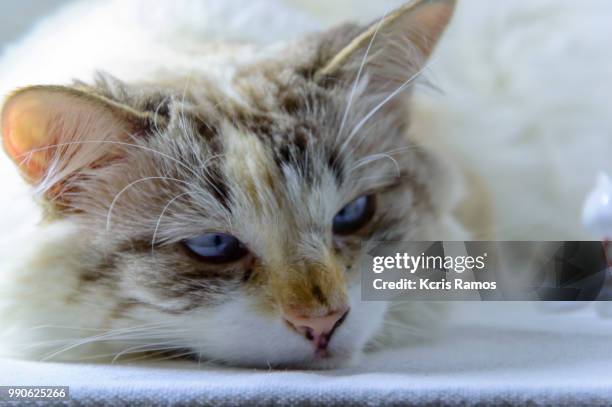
(17, 16)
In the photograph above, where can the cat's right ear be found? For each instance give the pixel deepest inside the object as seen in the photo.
(53, 133)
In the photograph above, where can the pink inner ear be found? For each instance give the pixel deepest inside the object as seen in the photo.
(62, 128)
(24, 131)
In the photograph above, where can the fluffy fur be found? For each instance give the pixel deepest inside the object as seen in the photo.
(265, 142)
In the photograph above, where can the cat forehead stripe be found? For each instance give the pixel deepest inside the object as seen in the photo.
(293, 118)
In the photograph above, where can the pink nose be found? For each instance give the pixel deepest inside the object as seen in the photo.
(318, 329)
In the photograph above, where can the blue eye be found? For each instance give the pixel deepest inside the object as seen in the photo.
(354, 216)
(216, 248)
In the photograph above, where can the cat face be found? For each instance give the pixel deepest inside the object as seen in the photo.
(233, 214)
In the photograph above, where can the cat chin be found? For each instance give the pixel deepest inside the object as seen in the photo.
(246, 338)
(338, 360)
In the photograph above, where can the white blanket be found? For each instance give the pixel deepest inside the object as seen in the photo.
(491, 353)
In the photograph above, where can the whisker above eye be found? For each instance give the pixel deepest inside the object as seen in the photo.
(159, 219)
(359, 72)
(191, 170)
(373, 158)
(388, 155)
(380, 105)
(131, 184)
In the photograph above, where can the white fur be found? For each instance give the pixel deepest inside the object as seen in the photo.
(525, 105)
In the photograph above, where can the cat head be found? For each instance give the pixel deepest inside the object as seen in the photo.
(231, 214)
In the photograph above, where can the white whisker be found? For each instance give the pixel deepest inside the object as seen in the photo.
(121, 334)
(379, 106)
(145, 347)
(376, 157)
(359, 72)
(159, 219)
(120, 143)
(131, 184)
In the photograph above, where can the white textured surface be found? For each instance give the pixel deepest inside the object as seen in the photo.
(493, 353)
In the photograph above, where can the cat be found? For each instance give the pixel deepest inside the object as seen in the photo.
(218, 209)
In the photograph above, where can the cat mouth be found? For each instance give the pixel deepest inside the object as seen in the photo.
(328, 358)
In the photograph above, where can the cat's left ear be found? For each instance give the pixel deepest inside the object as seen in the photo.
(53, 133)
(392, 49)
